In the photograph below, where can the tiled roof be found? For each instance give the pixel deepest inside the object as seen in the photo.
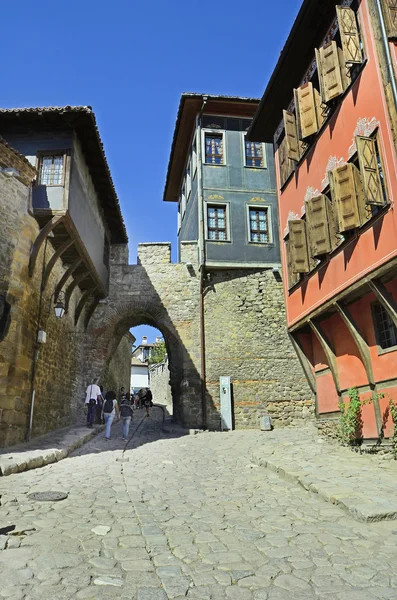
(82, 120)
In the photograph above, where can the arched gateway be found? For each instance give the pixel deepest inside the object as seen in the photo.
(244, 326)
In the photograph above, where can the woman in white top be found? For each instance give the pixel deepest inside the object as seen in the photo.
(109, 411)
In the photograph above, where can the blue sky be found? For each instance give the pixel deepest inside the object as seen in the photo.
(131, 61)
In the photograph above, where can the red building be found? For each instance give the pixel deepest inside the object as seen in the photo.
(330, 111)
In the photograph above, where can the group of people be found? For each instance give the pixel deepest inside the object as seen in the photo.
(105, 408)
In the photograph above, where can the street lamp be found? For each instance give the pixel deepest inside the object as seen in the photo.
(59, 307)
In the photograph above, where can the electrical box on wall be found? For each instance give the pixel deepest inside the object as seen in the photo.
(41, 337)
(226, 403)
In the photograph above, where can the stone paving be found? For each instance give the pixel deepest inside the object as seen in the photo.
(180, 516)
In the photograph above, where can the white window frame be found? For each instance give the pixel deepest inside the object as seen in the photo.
(244, 133)
(266, 207)
(188, 181)
(179, 218)
(221, 132)
(225, 205)
(194, 158)
(183, 202)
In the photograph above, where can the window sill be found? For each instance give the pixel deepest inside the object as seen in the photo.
(386, 350)
(219, 241)
(260, 243)
(255, 168)
(214, 164)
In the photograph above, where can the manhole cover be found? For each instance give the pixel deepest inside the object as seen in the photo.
(48, 496)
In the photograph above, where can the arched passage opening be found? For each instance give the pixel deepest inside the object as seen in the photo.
(113, 320)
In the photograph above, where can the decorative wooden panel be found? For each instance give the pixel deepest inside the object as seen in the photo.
(291, 135)
(349, 35)
(298, 246)
(346, 197)
(307, 110)
(389, 8)
(331, 76)
(286, 165)
(293, 278)
(318, 223)
(367, 156)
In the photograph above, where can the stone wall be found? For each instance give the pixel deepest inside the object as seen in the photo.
(245, 335)
(119, 373)
(159, 380)
(246, 338)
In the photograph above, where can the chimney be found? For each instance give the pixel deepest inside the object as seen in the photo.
(144, 339)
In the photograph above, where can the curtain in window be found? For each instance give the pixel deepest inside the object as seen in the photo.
(253, 154)
(259, 226)
(214, 149)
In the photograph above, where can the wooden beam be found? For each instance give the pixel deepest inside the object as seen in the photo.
(66, 276)
(385, 298)
(304, 361)
(91, 311)
(328, 351)
(82, 302)
(53, 260)
(42, 235)
(72, 287)
(360, 342)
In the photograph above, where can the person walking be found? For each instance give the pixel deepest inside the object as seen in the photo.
(148, 401)
(109, 411)
(92, 398)
(126, 414)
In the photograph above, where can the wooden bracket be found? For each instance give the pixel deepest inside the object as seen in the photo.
(66, 276)
(91, 311)
(360, 342)
(82, 302)
(42, 235)
(328, 351)
(304, 361)
(385, 298)
(53, 260)
(72, 287)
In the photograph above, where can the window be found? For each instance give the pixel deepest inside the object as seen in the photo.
(254, 156)
(194, 160)
(386, 332)
(183, 202)
(259, 225)
(214, 148)
(51, 169)
(216, 222)
(188, 181)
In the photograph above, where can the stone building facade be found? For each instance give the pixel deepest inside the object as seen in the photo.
(42, 377)
(159, 379)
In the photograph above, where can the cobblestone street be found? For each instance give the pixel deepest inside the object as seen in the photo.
(183, 515)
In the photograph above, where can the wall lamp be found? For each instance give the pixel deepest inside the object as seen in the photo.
(59, 305)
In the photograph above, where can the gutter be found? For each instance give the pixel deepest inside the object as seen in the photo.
(202, 270)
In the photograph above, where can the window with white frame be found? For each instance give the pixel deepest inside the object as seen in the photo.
(183, 202)
(216, 222)
(258, 224)
(188, 181)
(254, 153)
(51, 169)
(179, 217)
(214, 148)
(194, 159)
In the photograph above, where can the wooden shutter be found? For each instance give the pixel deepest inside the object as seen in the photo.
(293, 278)
(298, 246)
(291, 135)
(307, 110)
(318, 225)
(390, 15)
(349, 35)
(372, 184)
(331, 75)
(286, 165)
(346, 196)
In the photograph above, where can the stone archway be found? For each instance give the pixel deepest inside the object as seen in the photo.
(163, 295)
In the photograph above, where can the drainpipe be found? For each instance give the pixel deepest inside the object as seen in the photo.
(385, 40)
(36, 350)
(202, 268)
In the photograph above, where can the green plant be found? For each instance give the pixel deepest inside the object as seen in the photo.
(393, 413)
(158, 354)
(350, 425)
